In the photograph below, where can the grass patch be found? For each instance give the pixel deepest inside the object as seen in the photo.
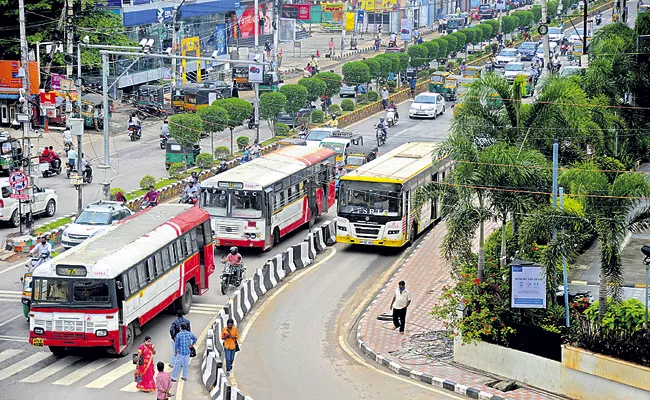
(159, 184)
(270, 141)
(52, 225)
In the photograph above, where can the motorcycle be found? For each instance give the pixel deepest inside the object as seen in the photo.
(151, 111)
(564, 49)
(135, 133)
(222, 167)
(163, 141)
(380, 134)
(391, 118)
(599, 20)
(147, 204)
(229, 276)
(36, 261)
(72, 170)
(489, 67)
(555, 68)
(189, 199)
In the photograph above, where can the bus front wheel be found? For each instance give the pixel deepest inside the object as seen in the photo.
(58, 351)
(130, 337)
(184, 303)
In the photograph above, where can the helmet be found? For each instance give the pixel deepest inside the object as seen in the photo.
(233, 250)
(381, 119)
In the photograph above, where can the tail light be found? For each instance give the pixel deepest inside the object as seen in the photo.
(2, 204)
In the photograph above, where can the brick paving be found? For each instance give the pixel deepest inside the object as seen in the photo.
(425, 273)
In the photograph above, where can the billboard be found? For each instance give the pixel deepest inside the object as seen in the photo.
(296, 11)
(378, 6)
(528, 286)
(406, 30)
(246, 19)
(10, 79)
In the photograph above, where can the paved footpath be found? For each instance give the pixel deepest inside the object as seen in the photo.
(425, 273)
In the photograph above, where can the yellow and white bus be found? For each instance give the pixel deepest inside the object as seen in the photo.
(376, 202)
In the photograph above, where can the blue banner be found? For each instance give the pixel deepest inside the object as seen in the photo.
(360, 16)
(221, 39)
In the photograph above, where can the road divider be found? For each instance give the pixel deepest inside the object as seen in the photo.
(274, 271)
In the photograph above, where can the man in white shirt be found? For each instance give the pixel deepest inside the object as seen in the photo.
(43, 247)
(399, 304)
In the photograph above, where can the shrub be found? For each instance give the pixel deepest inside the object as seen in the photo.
(334, 109)
(392, 85)
(115, 190)
(176, 170)
(242, 142)
(424, 74)
(205, 161)
(347, 105)
(281, 129)
(222, 153)
(372, 95)
(317, 116)
(146, 181)
(361, 99)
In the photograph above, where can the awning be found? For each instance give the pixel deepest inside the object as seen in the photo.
(9, 96)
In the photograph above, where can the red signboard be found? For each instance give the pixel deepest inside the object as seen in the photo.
(48, 99)
(9, 79)
(19, 196)
(296, 11)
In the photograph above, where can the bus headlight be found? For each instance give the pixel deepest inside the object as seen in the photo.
(39, 331)
(101, 333)
(250, 235)
(396, 232)
(341, 228)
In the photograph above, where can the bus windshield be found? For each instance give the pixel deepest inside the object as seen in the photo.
(246, 203)
(374, 198)
(59, 290)
(356, 161)
(215, 201)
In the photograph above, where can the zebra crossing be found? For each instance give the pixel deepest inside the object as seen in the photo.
(29, 367)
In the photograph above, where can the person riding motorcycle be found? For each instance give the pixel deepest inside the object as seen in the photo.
(43, 250)
(234, 259)
(381, 125)
(191, 192)
(135, 123)
(333, 123)
(393, 107)
(150, 198)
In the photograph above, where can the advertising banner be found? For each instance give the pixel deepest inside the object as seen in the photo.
(360, 15)
(10, 76)
(247, 21)
(221, 39)
(406, 30)
(528, 285)
(255, 74)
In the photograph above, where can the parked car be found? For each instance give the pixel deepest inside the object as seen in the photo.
(44, 202)
(505, 56)
(552, 49)
(427, 105)
(527, 50)
(348, 90)
(571, 70)
(93, 219)
(512, 69)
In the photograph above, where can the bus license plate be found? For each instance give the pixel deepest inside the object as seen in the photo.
(37, 342)
(365, 242)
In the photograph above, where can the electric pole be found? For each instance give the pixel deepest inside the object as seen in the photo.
(25, 119)
(545, 19)
(256, 101)
(69, 36)
(80, 201)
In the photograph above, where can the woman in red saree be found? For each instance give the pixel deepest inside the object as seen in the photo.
(145, 367)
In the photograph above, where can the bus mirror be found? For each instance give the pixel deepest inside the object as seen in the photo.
(119, 285)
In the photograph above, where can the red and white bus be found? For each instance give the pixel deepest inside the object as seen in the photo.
(100, 293)
(257, 203)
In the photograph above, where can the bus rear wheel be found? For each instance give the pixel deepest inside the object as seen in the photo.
(130, 338)
(58, 351)
(184, 303)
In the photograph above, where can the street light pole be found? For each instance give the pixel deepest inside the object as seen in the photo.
(24, 62)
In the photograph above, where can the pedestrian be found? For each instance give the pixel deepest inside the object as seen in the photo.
(175, 330)
(144, 372)
(183, 346)
(399, 304)
(230, 335)
(235, 90)
(384, 97)
(163, 382)
(412, 83)
(331, 47)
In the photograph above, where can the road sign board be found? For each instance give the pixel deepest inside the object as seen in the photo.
(20, 196)
(18, 180)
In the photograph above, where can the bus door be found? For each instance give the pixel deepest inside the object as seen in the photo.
(322, 178)
(312, 202)
(204, 242)
(407, 212)
(268, 227)
(120, 292)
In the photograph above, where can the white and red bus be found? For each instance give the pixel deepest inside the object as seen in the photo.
(100, 293)
(257, 203)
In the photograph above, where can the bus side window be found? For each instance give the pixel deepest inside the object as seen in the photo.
(166, 264)
(434, 178)
(151, 269)
(172, 254)
(190, 241)
(133, 281)
(125, 284)
(142, 275)
(183, 245)
(207, 232)
(159, 264)
(179, 251)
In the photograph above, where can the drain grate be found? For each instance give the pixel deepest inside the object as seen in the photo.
(504, 386)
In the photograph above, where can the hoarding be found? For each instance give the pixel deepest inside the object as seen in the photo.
(10, 79)
(528, 286)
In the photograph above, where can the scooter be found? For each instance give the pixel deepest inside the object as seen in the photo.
(189, 199)
(135, 133)
(151, 111)
(599, 20)
(391, 119)
(36, 261)
(87, 176)
(51, 169)
(380, 134)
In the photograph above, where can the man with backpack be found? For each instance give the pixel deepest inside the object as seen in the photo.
(175, 329)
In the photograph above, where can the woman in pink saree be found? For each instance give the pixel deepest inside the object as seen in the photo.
(145, 368)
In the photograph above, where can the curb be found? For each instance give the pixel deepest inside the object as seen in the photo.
(409, 372)
(244, 299)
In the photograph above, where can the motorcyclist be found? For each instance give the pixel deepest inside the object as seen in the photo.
(191, 192)
(150, 198)
(43, 250)
(223, 166)
(448, 67)
(489, 65)
(392, 42)
(463, 66)
(535, 74)
(67, 139)
(392, 106)
(333, 123)
(256, 151)
(381, 125)
(599, 17)
(234, 259)
(135, 123)
(164, 129)
(302, 129)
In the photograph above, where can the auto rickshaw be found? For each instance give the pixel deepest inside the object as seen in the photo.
(341, 142)
(270, 82)
(198, 97)
(11, 153)
(437, 83)
(151, 96)
(175, 153)
(472, 72)
(26, 297)
(291, 142)
(92, 109)
(178, 96)
(240, 76)
(451, 87)
(360, 155)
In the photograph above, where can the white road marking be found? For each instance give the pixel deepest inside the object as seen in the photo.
(12, 319)
(14, 338)
(23, 364)
(110, 377)
(204, 312)
(84, 371)
(10, 268)
(11, 292)
(131, 387)
(51, 369)
(7, 354)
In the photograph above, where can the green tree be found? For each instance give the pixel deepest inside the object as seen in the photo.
(488, 32)
(537, 13)
(478, 34)
(551, 8)
(205, 161)
(296, 96)
(419, 55)
(444, 51)
(384, 66)
(355, 73)
(272, 104)
(186, 130)
(332, 80)
(146, 182)
(395, 62)
(462, 38)
(315, 88)
(452, 43)
(433, 48)
(509, 23)
(373, 67)
(214, 119)
(238, 110)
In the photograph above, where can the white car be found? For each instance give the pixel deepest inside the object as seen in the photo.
(315, 136)
(94, 218)
(512, 69)
(43, 203)
(505, 56)
(552, 49)
(427, 105)
(477, 48)
(571, 70)
(555, 34)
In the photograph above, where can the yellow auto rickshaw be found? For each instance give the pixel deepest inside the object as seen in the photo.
(291, 142)
(437, 83)
(178, 96)
(360, 155)
(198, 97)
(472, 72)
(451, 87)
